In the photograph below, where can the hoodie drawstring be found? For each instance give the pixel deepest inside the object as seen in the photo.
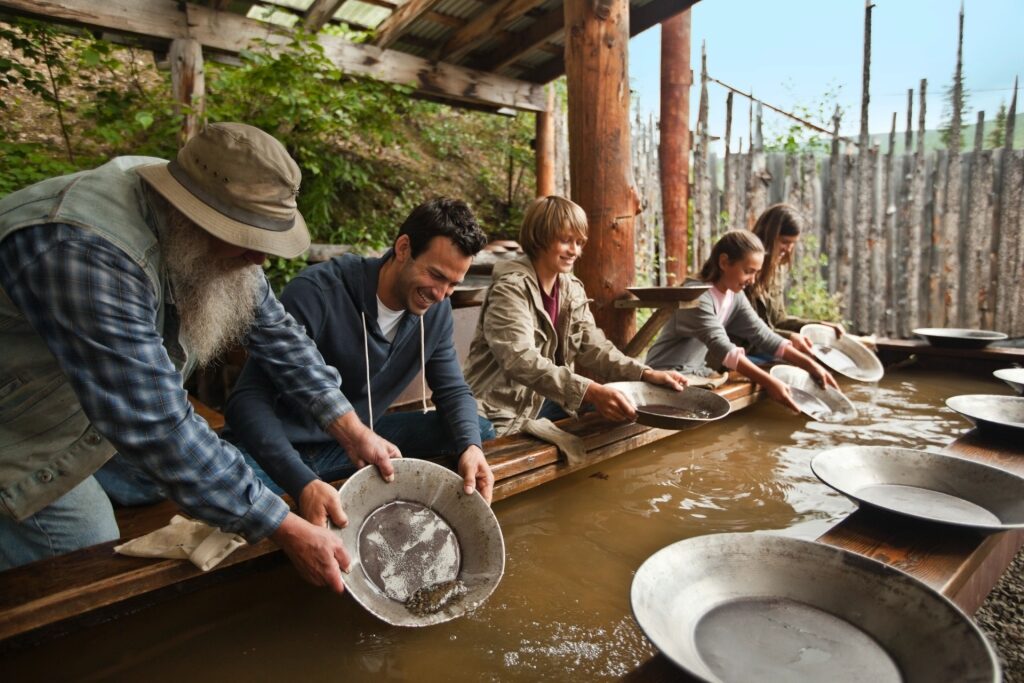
(423, 365)
(366, 350)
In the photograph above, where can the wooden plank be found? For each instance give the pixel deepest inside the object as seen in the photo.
(961, 563)
(391, 28)
(482, 26)
(640, 19)
(545, 28)
(319, 13)
(231, 33)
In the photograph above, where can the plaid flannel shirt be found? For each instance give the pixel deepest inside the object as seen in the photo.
(96, 311)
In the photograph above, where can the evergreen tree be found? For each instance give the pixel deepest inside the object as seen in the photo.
(998, 133)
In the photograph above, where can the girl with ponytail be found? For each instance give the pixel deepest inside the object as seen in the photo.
(696, 341)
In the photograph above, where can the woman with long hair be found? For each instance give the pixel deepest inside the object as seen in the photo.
(779, 229)
(535, 328)
(696, 340)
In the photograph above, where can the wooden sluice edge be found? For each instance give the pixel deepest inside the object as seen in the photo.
(962, 564)
(79, 585)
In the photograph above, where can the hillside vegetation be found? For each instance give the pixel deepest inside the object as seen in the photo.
(368, 151)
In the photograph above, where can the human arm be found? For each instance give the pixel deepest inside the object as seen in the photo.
(776, 388)
(668, 378)
(820, 375)
(97, 311)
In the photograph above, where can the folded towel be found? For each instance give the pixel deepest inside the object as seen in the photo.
(569, 445)
(713, 380)
(184, 539)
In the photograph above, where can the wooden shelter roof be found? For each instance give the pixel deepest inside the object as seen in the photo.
(483, 53)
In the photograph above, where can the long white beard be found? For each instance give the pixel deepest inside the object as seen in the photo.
(216, 299)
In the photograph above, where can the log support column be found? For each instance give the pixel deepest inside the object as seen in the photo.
(674, 147)
(545, 147)
(188, 85)
(596, 60)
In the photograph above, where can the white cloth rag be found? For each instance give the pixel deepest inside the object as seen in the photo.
(185, 539)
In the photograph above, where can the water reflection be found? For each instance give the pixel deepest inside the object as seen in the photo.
(562, 611)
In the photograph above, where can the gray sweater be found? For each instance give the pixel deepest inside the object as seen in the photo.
(695, 342)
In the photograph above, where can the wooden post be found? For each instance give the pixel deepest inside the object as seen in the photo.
(545, 152)
(832, 235)
(1006, 213)
(674, 147)
(759, 178)
(188, 85)
(974, 301)
(860, 302)
(949, 244)
(596, 60)
(728, 187)
(915, 232)
(701, 181)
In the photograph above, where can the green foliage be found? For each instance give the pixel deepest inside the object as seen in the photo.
(946, 130)
(789, 136)
(26, 163)
(997, 136)
(280, 271)
(807, 294)
(329, 122)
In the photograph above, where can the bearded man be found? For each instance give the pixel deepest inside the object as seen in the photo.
(115, 284)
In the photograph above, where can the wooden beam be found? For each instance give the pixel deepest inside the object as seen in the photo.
(319, 13)
(392, 27)
(596, 54)
(483, 26)
(546, 28)
(188, 85)
(640, 19)
(231, 33)
(434, 78)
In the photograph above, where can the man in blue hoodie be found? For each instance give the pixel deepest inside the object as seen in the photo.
(378, 321)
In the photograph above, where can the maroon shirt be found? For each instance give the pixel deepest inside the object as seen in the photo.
(551, 307)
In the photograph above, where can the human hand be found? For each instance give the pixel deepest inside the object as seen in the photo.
(610, 403)
(840, 330)
(822, 376)
(363, 446)
(800, 342)
(668, 378)
(779, 391)
(317, 554)
(476, 473)
(318, 502)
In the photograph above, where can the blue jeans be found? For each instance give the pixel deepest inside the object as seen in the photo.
(417, 435)
(552, 411)
(81, 517)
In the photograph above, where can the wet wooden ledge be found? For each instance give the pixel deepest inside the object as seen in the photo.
(47, 598)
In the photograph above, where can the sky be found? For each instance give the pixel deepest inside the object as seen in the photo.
(791, 52)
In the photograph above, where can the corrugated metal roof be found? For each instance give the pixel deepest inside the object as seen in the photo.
(362, 13)
(272, 15)
(429, 30)
(301, 5)
(463, 9)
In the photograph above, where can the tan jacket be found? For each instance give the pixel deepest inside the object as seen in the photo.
(511, 366)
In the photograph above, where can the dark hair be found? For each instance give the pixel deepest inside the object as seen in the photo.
(443, 217)
(776, 221)
(735, 244)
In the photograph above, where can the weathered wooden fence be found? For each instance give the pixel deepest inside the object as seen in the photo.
(912, 240)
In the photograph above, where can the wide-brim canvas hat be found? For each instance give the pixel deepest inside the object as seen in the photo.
(239, 184)
(413, 539)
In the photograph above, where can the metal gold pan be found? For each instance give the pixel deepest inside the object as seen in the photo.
(1003, 415)
(825, 404)
(926, 485)
(1012, 376)
(957, 338)
(665, 408)
(419, 531)
(757, 607)
(845, 355)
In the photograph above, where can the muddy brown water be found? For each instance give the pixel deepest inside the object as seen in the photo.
(562, 610)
